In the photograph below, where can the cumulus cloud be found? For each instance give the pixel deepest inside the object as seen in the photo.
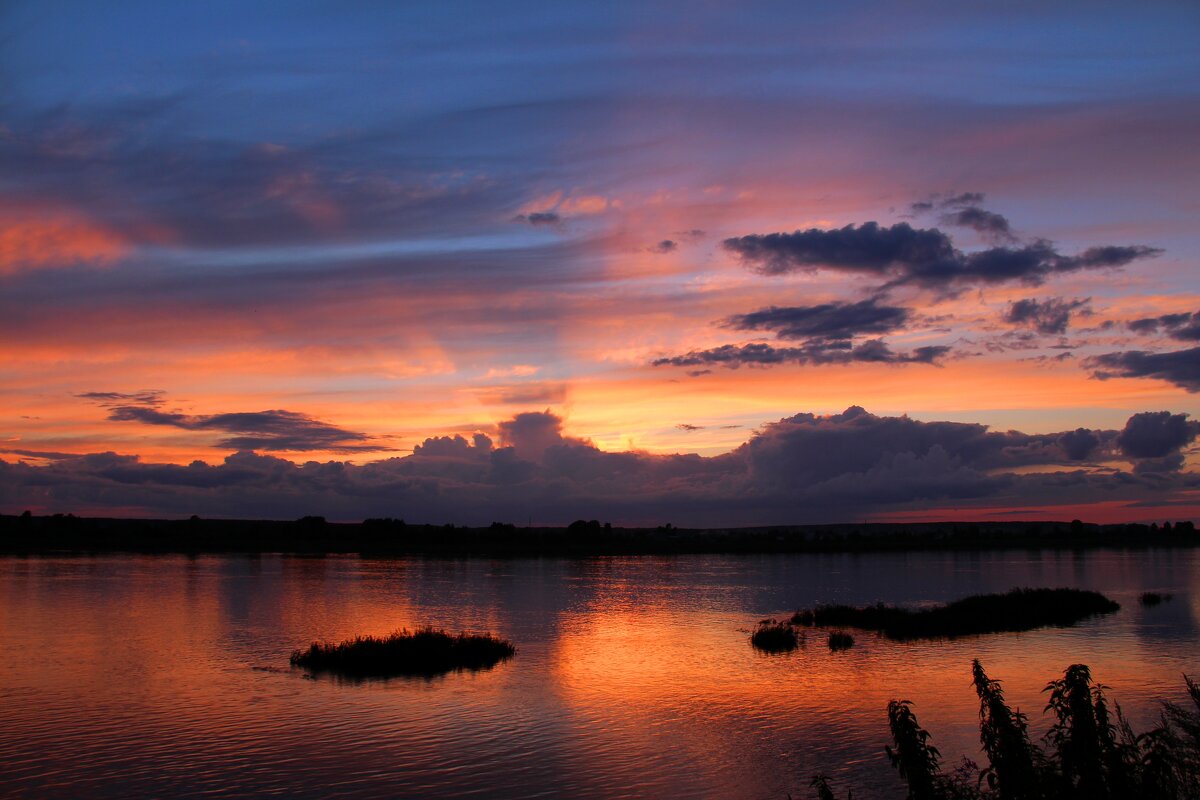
(1045, 316)
(532, 433)
(825, 321)
(901, 254)
(1157, 434)
(274, 430)
(802, 468)
(1180, 367)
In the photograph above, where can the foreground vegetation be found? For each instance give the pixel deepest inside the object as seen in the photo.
(775, 637)
(1016, 610)
(1090, 751)
(424, 652)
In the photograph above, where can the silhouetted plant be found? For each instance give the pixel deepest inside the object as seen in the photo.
(1092, 752)
(1154, 598)
(1182, 738)
(913, 756)
(775, 637)
(820, 784)
(1014, 769)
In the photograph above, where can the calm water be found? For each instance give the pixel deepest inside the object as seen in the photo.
(167, 676)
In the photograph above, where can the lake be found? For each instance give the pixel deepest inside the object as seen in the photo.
(131, 675)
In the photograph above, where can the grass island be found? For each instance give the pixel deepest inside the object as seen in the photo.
(424, 652)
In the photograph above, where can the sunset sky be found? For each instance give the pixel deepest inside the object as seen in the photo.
(709, 263)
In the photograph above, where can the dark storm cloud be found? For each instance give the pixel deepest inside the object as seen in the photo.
(1185, 327)
(926, 257)
(1045, 316)
(257, 430)
(801, 468)
(825, 321)
(818, 353)
(1180, 367)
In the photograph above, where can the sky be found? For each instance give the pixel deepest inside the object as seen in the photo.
(708, 263)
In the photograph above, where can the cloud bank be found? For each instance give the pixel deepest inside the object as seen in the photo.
(804, 468)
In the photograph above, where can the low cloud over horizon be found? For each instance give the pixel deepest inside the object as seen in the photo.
(801, 469)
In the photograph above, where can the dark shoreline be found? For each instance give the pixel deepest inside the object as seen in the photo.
(32, 535)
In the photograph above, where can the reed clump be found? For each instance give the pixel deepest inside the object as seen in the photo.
(1090, 752)
(1154, 598)
(425, 651)
(775, 637)
(840, 640)
(1016, 610)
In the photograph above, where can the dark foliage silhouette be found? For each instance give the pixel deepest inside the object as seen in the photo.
(1016, 610)
(1090, 753)
(840, 640)
(775, 637)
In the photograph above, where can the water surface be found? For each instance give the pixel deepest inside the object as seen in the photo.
(167, 675)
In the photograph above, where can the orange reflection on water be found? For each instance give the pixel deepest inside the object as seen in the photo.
(633, 676)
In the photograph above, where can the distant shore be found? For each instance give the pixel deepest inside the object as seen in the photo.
(28, 534)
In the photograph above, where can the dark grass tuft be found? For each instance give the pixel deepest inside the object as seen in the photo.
(424, 652)
(1154, 598)
(775, 637)
(840, 640)
(1017, 610)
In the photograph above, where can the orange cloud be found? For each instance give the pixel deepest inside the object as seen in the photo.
(55, 240)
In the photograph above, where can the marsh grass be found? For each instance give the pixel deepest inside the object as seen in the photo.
(425, 651)
(1016, 610)
(775, 637)
(840, 640)
(1154, 598)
